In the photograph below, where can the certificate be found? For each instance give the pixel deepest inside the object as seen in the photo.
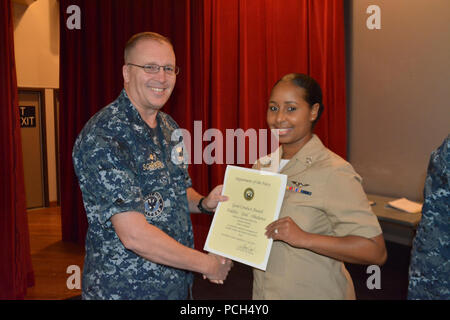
(238, 227)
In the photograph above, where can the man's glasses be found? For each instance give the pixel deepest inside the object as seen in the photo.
(154, 68)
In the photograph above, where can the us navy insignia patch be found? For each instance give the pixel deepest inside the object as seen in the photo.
(154, 205)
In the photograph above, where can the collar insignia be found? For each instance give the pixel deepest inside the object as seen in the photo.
(299, 184)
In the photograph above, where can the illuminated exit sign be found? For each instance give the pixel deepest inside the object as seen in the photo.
(27, 116)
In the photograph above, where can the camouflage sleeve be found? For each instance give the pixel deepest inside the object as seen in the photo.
(429, 267)
(108, 180)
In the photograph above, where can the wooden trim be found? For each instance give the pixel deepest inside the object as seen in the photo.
(53, 204)
(56, 114)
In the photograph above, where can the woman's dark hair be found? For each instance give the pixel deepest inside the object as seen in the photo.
(313, 92)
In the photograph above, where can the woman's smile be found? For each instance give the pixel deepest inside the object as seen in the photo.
(283, 131)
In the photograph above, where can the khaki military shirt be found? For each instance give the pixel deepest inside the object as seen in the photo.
(324, 196)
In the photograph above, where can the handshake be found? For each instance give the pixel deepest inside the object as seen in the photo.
(219, 269)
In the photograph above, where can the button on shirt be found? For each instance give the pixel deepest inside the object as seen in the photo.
(124, 165)
(324, 196)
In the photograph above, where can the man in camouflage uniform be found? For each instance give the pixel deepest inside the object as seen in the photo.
(139, 243)
(429, 272)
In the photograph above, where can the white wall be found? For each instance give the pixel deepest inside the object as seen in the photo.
(398, 92)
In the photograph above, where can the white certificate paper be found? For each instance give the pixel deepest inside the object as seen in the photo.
(238, 227)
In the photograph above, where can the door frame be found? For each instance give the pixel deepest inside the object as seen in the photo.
(43, 137)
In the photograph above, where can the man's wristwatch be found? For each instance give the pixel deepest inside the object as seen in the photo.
(201, 208)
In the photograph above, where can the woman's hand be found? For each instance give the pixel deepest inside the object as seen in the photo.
(352, 249)
(285, 229)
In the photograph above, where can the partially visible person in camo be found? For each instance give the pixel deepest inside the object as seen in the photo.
(429, 271)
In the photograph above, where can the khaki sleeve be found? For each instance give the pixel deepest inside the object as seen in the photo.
(347, 205)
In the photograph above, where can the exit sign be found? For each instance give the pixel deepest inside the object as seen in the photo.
(27, 116)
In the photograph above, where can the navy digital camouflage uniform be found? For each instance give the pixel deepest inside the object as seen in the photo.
(124, 165)
(429, 272)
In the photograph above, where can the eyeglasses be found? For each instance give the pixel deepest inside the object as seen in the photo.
(154, 68)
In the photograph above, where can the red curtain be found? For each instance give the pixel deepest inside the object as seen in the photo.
(91, 60)
(16, 272)
(230, 52)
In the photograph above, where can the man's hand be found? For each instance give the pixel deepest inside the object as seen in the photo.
(220, 272)
(214, 197)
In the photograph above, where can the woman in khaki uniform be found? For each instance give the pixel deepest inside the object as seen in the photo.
(325, 219)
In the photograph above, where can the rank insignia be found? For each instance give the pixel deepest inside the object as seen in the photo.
(153, 164)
